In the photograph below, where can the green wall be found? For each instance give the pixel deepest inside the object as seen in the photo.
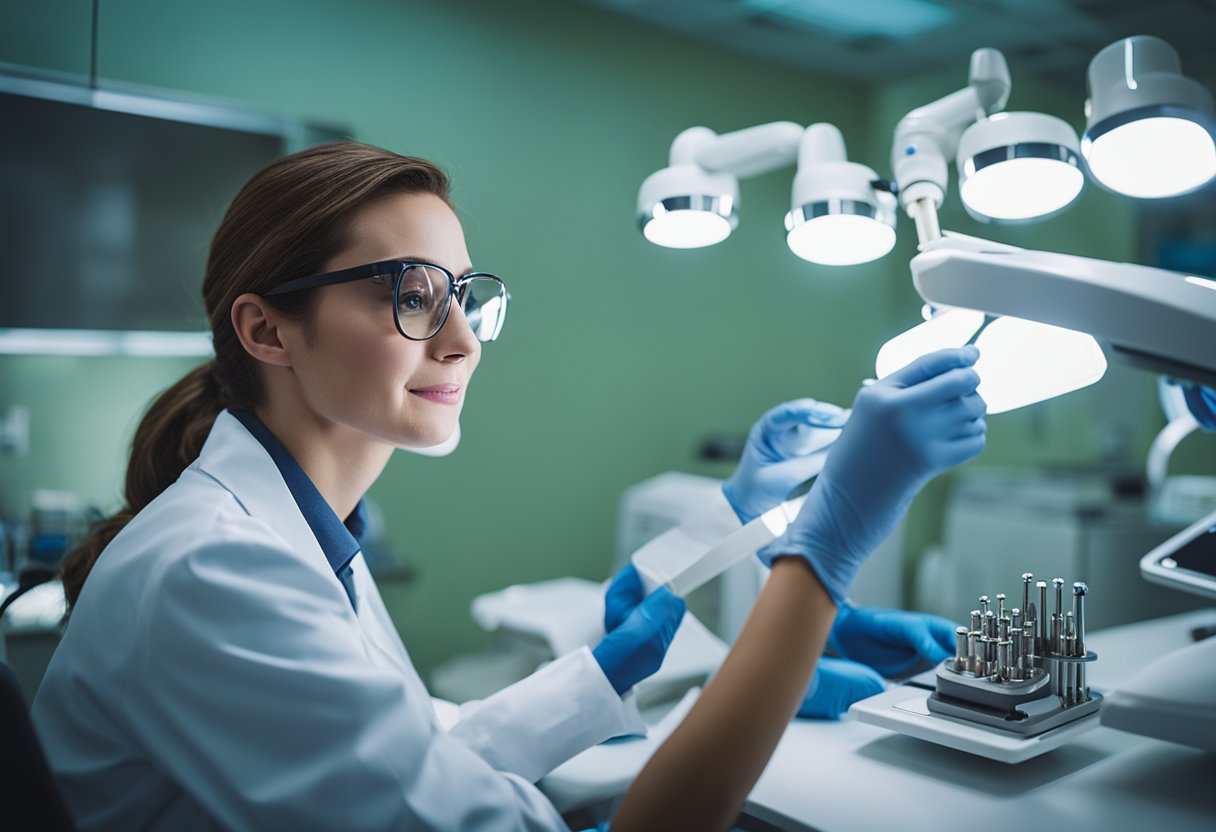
(619, 355)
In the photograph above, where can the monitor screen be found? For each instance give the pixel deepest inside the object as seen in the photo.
(1186, 561)
(106, 215)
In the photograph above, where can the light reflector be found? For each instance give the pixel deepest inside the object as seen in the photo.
(1021, 362)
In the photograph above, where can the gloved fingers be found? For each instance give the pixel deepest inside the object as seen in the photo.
(662, 611)
(809, 412)
(976, 427)
(622, 596)
(954, 383)
(792, 473)
(958, 451)
(932, 365)
(837, 684)
(942, 632)
(967, 408)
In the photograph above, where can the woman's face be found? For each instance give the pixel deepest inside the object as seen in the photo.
(354, 368)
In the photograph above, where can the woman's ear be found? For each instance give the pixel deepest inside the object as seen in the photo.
(257, 327)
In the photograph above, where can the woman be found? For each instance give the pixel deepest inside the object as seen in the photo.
(229, 662)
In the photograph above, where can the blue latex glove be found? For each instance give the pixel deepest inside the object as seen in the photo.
(893, 642)
(903, 430)
(1201, 401)
(778, 455)
(836, 685)
(639, 629)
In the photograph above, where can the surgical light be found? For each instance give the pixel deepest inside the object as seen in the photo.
(838, 217)
(1150, 128)
(1018, 166)
(840, 214)
(684, 205)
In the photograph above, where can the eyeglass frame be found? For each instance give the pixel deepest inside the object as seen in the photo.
(386, 267)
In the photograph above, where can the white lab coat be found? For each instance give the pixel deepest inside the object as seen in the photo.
(215, 675)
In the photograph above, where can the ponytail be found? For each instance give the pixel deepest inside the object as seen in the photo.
(168, 439)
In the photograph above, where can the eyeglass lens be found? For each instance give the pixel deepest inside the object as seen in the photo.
(422, 299)
(484, 303)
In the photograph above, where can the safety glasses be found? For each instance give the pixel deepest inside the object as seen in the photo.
(422, 296)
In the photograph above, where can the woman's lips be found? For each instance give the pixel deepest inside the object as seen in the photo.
(440, 393)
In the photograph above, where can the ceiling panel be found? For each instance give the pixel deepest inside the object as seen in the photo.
(1054, 39)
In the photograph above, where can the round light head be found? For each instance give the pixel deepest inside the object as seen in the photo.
(685, 206)
(1150, 128)
(838, 217)
(1151, 153)
(1014, 167)
(840, 232)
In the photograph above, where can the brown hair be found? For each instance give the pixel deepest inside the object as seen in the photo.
(286, 222)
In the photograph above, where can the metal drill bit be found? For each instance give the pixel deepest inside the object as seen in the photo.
(1027, 579)
(990, 624)
(1058, 585)
(1056, 634)
(984, 604)
(1000, 605)
(1003, 628)
(1040, 646)
(1070, 634)
(1002, 659)
(1015, 618)
(960, 648)
(975, 621)
(1079, 591)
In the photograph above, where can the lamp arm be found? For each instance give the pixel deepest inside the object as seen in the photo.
(926, 136)
(747, 152)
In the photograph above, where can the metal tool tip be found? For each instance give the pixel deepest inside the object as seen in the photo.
(962, 631)
(1027, 576)
(1079, 588)
(1057, 580)
(1042, 584)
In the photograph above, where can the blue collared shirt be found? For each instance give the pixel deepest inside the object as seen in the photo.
(339, 541)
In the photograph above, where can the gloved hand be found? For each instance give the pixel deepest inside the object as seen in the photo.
(836, 685)
(1201, 401)
(903, 430)
(893, 642)
(779, 453)
(639, 630)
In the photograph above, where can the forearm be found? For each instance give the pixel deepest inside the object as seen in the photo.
(701, 776)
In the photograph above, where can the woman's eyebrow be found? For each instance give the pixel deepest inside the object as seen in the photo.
(414, 258)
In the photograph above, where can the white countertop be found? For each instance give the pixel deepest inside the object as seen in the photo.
(842, 775)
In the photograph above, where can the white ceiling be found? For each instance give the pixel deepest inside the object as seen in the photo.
(1054, 39)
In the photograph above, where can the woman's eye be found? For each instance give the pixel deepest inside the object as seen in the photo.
(411, 301)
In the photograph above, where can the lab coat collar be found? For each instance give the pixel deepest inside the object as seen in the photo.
(339, 542)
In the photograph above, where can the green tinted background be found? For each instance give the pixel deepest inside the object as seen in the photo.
(619, 355)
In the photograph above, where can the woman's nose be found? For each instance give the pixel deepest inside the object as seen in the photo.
(455, 340)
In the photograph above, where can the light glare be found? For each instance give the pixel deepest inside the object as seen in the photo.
(841, 239)
(1020, 189)
(686, 229)
(1153, 157)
